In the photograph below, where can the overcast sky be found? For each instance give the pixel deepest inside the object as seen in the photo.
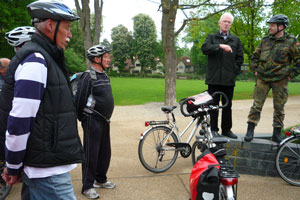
(117, 12)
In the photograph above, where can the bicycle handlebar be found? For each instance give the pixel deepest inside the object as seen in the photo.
(223, 95)
(203, 107)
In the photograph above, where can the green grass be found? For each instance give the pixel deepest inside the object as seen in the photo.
(134, 91)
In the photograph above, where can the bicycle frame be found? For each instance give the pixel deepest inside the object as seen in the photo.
(174, 127)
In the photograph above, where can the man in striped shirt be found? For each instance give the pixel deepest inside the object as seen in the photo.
(42, 138)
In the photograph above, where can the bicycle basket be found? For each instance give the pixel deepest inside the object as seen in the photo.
(199, 100)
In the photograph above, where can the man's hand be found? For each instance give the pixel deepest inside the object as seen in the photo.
(9, 179)
(226, 48)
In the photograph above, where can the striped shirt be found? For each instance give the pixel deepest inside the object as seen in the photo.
(30, 83)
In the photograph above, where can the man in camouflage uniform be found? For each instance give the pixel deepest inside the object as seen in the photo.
(272, 64)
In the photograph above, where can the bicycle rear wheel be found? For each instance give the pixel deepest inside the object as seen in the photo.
(154, 155)
(288, 161)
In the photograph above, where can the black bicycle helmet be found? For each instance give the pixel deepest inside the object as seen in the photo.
(18, 36)
(279, 19)
(96, 51)
(41, 10)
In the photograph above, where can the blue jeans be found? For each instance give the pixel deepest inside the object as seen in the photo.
(53, 187)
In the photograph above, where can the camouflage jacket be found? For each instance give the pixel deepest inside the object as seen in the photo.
(276, 58)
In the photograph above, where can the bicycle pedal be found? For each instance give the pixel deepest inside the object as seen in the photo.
(178, 144)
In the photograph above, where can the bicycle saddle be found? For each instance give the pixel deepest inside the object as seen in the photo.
(168, 109)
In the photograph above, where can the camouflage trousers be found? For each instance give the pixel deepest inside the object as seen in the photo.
(280, 96)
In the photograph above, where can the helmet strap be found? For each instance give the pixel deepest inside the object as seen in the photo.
(278, 30)
(56, 30)
(99, 63)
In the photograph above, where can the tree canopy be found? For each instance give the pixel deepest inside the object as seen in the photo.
(121, 45)
(144, 34)
(13, 14)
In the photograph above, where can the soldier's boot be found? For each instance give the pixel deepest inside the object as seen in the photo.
(250, 132)
(277, 135)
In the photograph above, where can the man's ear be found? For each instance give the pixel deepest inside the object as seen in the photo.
(97, 59)
(50, 25)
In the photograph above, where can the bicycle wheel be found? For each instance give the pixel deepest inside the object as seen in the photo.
(155, 156)
(197, 149)
(226, 192)
(288, 161)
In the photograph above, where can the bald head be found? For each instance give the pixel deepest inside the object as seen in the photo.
(4, 62)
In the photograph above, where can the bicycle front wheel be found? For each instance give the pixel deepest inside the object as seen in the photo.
(153, 152)
(288, 161)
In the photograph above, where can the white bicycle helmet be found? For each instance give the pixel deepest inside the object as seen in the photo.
(96, 51)
(18, 36)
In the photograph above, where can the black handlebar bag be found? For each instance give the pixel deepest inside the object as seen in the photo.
(204, 179)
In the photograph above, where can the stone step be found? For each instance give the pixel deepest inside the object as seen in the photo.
(256, 157)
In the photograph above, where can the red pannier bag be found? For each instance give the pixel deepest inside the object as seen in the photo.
(204, 179)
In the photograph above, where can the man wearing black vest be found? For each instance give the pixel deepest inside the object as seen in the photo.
(225, 57)
(42, 138)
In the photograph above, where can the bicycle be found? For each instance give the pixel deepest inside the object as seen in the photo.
(159, 145)
(288, 158)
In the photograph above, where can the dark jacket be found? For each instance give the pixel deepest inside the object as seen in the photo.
(54, 138)
(102, 95)
(222, 67)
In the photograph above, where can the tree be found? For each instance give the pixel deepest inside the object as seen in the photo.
(106, 43)
(197, 31)
(169, 10)
(76, 42)
(121, 45)
(289, 8)
(13, 14)
(86, 22)
(248, 24)
(144, 34)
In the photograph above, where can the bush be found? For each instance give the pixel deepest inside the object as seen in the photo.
(248, 76)
(296, 79)
(74, 62)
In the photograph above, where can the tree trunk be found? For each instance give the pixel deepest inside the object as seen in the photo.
(85, 23)
(169, 9)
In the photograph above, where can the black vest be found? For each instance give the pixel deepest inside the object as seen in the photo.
(54, 138)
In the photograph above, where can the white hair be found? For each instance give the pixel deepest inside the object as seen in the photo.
(227, 14)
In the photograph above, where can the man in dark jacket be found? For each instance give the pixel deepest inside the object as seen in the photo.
(42, 138)
(225, 57)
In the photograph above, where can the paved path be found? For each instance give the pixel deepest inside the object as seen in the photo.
(135, 182)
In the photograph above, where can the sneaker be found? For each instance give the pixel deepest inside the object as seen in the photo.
(107, 185)
(91, 193)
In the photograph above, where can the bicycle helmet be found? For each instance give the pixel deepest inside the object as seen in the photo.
(96, 51)
(41, 10)
(279, 19)
(18, 36)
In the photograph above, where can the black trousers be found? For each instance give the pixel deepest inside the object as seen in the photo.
(97, 149)
(226, 121)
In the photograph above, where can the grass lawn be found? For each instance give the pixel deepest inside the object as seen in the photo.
(133, 91)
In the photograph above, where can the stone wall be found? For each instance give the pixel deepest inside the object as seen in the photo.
(256, 157)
